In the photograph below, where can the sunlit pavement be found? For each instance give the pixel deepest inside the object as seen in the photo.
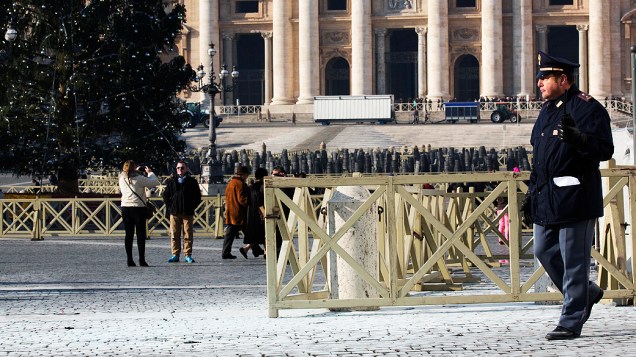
(65, 296)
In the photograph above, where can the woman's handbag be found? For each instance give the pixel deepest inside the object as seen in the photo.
(150, 209)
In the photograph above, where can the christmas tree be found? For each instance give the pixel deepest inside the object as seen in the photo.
(90, 84)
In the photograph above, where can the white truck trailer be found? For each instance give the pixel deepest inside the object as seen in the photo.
(353, 108)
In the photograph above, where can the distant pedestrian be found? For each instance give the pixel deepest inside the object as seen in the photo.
(293, 119)
(182, 196)
(52, 179)
(504, 222)
(255, 229)
(132, 185)
(416, 117)
(36, 185)
(236, 203)
(278, 171)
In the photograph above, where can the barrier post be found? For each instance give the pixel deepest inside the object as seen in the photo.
(37, 220)
(359, 242)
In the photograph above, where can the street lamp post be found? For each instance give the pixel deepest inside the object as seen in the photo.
(212, 167)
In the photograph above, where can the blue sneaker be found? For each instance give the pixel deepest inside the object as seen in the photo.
(173, 259)
(188, 259)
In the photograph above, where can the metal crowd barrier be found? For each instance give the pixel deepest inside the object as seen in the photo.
(429, 241)
(439, 107)
(239, 109)
(610, 104)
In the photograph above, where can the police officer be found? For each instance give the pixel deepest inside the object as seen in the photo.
(570, 137)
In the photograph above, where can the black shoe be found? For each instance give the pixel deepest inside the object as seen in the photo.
(257, 251)
(131, 263)
(243, 252)
(229, 256)
(591, 303)
(561, 333)
(143, 263)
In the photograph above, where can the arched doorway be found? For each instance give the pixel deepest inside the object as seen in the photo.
(466, 78)
(337, 77)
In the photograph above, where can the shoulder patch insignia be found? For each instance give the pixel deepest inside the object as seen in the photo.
(586, 97)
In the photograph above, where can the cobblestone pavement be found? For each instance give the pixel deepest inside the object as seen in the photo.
(71, 296)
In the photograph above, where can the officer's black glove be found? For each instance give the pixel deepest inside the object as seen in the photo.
(570, 133)
(526, 211)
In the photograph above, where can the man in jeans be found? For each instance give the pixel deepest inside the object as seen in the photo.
(182, 196)
(236, 202)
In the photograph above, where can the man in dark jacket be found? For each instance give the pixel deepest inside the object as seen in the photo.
(182, 196)
(570, 138)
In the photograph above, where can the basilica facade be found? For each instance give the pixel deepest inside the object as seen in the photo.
(288, 51)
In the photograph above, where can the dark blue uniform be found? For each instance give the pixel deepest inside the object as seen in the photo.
(553, 157)
(566, 199)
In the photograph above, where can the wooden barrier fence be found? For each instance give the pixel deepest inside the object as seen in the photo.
(40, 217)
(432, 245)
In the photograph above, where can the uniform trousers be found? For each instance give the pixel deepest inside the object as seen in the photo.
(181, 224)
(564, 251)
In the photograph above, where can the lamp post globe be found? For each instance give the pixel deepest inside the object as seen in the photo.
(200, 73)
(11, 34)
(224, 73)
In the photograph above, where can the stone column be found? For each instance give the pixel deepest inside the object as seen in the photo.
(380, 64)
(582, 57)
(491, 49)
(542, 38)
(599, 49)
(208, 33)
(421, 61)
(360, 242)
(361, 55)
(617, 63)
(438, 66)
(229, 46)
(523, 71)
(267, 37)
(282, 53)
(308, 51)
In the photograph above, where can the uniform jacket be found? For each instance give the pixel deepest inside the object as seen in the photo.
(236, 202)
(138, 183)
(181, 198)
(557, 203)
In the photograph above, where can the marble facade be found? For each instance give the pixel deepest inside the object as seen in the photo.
(302, 36)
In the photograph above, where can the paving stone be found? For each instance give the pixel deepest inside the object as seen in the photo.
(76, 297)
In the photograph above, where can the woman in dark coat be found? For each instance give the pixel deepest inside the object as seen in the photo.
(255, 229)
